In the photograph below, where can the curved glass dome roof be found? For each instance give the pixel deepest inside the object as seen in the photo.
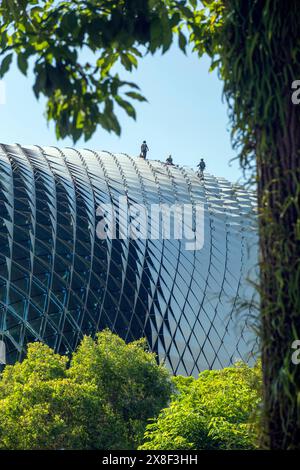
(59, 280)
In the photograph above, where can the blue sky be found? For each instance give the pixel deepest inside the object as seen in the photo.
(184, 116)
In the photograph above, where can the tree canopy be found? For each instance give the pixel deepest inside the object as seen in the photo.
(74, 46)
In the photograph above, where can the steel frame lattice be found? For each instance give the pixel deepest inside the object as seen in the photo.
(58, 281)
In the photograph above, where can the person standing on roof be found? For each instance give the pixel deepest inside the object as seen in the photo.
(144, 149)
(169, 160)
(201, 167)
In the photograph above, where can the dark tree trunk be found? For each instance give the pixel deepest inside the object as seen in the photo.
(279, 208)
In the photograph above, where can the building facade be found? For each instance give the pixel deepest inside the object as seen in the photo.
(65, 272)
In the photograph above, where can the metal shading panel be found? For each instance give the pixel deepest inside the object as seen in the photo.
(59, 281)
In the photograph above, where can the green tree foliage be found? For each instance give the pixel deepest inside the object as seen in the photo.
(219, 410)
(102, 401)
(127, 376)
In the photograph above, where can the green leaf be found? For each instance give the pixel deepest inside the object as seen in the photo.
(176, 18)
(136, 96)
(167, 34)
(214, 64)
(128, 62)
(69, 21)
(40, 81)
(5, 64)
(22, 62)
(126, 106)
(182, 41)
(155, 34)
(186, 11)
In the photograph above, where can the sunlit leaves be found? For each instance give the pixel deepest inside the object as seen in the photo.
(219, 410)
(102, 400)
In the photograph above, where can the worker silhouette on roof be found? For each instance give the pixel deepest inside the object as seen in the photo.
(169, 160)
(144, 149)
(201, 167)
